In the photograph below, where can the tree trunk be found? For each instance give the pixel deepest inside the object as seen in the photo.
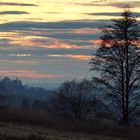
(127, 73)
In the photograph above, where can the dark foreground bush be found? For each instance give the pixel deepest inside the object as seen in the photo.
(31, 137)
(26, 117)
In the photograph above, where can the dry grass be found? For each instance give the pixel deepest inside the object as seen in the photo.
(43, 125)
(9, 131)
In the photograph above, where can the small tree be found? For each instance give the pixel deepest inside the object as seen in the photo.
(118, 64)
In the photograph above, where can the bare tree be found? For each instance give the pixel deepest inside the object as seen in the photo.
(118, 64)
(74, 100)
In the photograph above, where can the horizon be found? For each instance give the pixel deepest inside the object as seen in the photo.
(47, 43)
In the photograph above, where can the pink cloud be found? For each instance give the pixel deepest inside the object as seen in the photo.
(80, 57)
(53, 43)
(84, 31)
(28, 74)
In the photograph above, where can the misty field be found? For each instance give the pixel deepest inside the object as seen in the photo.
(10, 131)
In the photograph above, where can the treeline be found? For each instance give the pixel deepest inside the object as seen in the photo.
(76, 100)
(73, 100)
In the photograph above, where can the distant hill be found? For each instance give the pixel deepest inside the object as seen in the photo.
(14, 94)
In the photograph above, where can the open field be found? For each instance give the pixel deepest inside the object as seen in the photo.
(9, 131)
(22, 124)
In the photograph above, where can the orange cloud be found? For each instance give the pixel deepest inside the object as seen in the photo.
(98, 42)
(28, 74)
(80, 57)
(24, 41)
(53, 43)
(58, 44)
(84, 31)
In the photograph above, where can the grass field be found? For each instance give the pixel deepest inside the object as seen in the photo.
(16, 124)
(9, 131)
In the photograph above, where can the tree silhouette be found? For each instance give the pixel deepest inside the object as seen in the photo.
(118, 64)
(74, 100)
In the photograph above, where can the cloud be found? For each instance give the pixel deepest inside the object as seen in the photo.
(13, 13)
(40, 40)
(33, 74)
(124, 4)
(76, 24)
(28, 74)
(37, 46)
(111, 14)
(19, 61)
(83, 37)
(84, 31)
(49, 43)
(21, 55)
(79, 57)
(15, 4)
(49, 35)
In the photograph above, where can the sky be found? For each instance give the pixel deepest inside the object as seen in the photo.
(47, 42)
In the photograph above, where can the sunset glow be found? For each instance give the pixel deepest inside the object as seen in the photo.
(54, 39)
